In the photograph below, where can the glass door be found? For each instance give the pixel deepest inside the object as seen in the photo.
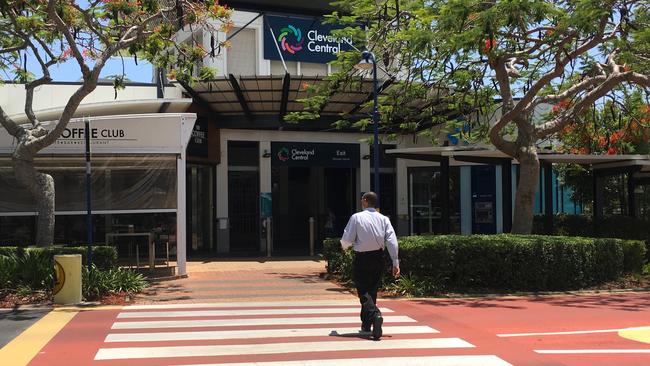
(200, 208)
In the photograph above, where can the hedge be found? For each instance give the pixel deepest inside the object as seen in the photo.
(621, 227)
(505, 262)
(104, 257)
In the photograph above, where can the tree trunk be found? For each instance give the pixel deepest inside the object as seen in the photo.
(526, 189)
(41, 187)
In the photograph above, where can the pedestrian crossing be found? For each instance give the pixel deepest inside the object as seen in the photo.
(278, 334)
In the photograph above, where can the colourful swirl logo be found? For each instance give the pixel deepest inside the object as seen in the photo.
(283, 154)
(289, 47)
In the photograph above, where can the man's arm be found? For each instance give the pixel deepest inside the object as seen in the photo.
(391, 245)
(349, 234)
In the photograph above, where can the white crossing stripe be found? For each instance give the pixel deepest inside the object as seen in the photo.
(593, 331)
(587, 351)
(248, 304)
(198, 313)
(472, 360)
(263, 333)
(251, 322)
(275, 348)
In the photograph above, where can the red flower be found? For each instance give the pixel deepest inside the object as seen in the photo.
(489, 45)
(612, 151)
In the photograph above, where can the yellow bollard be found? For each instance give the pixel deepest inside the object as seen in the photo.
(67, 286)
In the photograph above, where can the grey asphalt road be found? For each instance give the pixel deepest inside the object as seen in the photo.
(15, 321)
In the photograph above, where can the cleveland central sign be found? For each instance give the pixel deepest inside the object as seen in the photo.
(301, 39)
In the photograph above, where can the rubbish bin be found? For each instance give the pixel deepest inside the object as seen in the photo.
(67, 285)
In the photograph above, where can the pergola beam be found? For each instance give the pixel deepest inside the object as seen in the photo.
(286, 82)
(240, 96)
(197, 98)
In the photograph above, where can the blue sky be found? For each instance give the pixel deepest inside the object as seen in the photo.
(69, 70)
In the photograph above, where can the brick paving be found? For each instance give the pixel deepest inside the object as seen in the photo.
(247, 280)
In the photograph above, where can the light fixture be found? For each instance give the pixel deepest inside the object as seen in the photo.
(365, 157)
(366, 62)
(266, 154)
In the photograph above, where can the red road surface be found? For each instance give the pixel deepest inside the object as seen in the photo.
(477, 321)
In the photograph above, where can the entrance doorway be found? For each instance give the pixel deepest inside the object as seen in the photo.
(200, 208)
(299, 193)
(244, 197)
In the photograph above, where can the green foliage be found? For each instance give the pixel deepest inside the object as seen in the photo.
(31, 269)
(34, 270)
(501, 262)
(8, 269)
(634, 231)
(97, 283)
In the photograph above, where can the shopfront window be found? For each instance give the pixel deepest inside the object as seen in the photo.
(129, 193)
(425, 208)
(118, 183)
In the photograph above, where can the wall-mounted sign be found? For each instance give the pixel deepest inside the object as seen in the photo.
(198, 145)
(138, 133)
(315, 154)
(301, 39)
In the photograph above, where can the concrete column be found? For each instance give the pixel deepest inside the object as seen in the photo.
(181, 216)
(222, 224)
(403, 223)
(363, 181)
(265, 179)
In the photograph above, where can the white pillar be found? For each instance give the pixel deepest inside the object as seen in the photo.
(181, 216)
(223, 237)
(364, 173)
(265, 179)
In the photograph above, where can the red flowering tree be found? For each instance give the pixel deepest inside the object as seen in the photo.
(48, 32)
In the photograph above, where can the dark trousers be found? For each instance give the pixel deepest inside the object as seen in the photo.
(368, 269)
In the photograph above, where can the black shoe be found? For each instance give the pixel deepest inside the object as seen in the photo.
(376, 327)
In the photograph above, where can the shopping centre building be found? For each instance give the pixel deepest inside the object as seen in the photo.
(215, 169)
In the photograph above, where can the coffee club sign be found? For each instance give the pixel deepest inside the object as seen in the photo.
(315, 154)
(301, 39)
(154, 133)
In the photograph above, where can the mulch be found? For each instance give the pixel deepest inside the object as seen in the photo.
(12, 299)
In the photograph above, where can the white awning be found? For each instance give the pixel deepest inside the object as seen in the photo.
(143, 106)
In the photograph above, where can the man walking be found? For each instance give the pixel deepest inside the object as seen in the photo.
(369, 232)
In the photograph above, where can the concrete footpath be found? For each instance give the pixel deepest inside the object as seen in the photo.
(247, 280)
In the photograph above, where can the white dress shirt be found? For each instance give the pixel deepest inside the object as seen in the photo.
(369, 230)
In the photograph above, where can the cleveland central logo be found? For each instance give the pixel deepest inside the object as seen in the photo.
(292, 48)
(283, 154)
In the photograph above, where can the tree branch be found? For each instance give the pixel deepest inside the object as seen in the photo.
(558, 70)
(607, 86)
(63, 28)
(10, 125)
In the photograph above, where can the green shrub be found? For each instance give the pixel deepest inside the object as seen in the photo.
(634, 255)
(502, 262)
(621, 227)
(7, 251)
(104, 257)
(97, 282)
(34, 270)
(8, 264)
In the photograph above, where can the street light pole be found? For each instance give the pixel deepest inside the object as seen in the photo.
(375, 122)
(368, 61)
